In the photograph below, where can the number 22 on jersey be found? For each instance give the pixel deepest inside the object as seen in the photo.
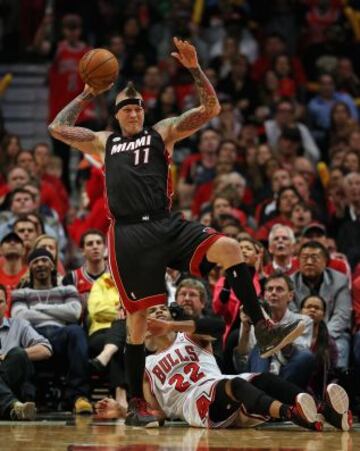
(193, 370)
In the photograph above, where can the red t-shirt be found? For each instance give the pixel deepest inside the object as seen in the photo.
(10, 282)
(65, 82)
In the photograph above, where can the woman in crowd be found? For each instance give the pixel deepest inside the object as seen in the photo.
(322, 345)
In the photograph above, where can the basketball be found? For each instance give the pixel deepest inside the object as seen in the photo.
(98, 68)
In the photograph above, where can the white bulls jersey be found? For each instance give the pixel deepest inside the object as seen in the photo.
(183, 379)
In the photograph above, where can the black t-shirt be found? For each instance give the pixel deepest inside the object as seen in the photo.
(137, 174)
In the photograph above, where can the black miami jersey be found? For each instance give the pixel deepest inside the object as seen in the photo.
(137, 174)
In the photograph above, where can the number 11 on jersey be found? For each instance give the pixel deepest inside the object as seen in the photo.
(138, 156)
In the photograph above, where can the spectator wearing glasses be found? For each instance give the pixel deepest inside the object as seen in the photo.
(315, 278)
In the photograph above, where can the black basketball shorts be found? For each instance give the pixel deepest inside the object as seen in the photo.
(140, 253)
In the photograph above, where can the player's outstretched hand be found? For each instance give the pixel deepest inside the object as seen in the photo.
(158, 326)
(186, 54)
(109, 408)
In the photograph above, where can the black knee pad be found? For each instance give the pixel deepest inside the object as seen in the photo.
(253, 399)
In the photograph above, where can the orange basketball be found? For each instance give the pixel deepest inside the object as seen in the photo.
(98, 68)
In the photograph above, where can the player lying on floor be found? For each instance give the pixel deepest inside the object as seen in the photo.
(184, 382)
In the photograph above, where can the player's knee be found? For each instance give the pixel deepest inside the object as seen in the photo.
(243, 392)
(226, 252)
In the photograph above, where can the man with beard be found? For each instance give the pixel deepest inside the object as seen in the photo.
(54, 311)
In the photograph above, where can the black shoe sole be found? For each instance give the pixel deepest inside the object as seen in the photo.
(135, 423)
(299, 329)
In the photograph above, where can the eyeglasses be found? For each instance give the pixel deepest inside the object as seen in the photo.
(312, 257)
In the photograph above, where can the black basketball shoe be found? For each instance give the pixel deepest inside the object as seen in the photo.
(335, 408)
(304, 413)
(139, 415)
(273, 337)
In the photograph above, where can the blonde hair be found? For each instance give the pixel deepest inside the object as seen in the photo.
(47, 237)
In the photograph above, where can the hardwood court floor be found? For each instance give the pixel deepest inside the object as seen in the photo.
(86, 434)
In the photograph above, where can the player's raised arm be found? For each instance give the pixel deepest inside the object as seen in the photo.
(63, 126)
(207, 328)
(177, 128)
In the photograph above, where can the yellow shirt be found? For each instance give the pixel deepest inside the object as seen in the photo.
(103, 304)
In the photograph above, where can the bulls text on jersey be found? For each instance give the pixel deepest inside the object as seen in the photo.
(172, 359)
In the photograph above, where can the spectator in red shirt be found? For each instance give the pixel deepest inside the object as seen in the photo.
(12, 267)
(274, 45)
(42, 157)
(198, 168)
(64, 79)
(288, 197)
(281, 247)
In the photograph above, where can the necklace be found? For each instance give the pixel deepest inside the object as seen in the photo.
(47, 296)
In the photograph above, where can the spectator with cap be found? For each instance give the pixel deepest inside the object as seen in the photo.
(313, 277)
(281, 248)
(12, 267)
(285, 117)
(20, 345)
(55, 311)
(317, 232)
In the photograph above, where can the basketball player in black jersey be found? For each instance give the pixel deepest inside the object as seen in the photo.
(145, 237)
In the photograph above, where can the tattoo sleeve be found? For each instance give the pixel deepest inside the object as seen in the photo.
(209, 104)
(63, 127)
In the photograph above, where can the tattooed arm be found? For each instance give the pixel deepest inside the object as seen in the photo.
(84, 139)
(177, 128)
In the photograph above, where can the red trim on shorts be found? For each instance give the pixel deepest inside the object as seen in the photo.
(130, 305)
(200, 252)
(169, 184)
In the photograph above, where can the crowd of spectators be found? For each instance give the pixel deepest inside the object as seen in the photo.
(278, 170)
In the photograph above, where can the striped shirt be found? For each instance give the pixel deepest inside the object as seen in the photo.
(57, 306)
